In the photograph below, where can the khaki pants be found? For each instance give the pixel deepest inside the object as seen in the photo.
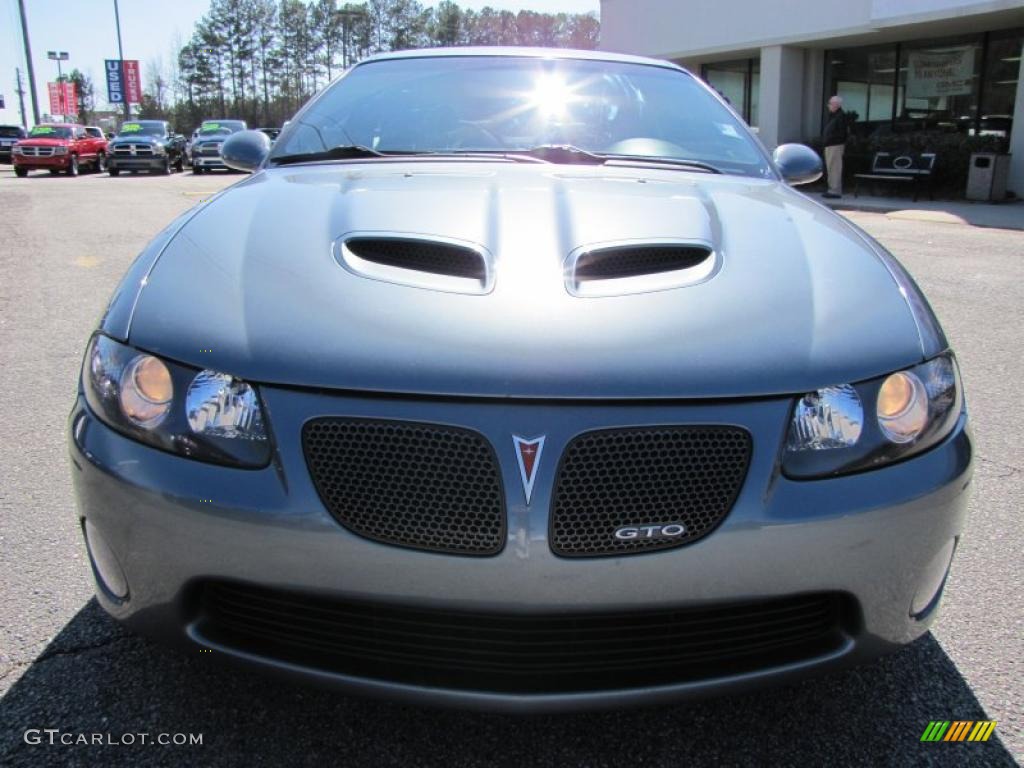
(834, 167)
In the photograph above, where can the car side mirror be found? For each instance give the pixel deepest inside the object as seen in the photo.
(245, 150)
(798, 163)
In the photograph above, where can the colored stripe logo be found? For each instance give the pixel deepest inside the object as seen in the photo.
(958, 730)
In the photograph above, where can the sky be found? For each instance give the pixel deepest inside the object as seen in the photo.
(86, 30)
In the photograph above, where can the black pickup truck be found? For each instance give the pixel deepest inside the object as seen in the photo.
(9, 134)
(146, 145)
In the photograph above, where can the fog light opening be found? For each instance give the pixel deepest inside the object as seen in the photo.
(933, 582)
(105, 567)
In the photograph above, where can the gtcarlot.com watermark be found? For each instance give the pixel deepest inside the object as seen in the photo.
(55, 737)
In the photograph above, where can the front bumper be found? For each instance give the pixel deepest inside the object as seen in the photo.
(41, 163)
(208, 162)
(149, 163)
(883, 539)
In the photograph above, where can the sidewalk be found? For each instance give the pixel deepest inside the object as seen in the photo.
(1008, 215)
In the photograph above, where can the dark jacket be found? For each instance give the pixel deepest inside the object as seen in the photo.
(835, 131)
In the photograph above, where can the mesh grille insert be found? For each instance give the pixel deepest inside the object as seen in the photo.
(424, 486)
(633, 261)
(522, 652)
(618, 478)
(420, 255)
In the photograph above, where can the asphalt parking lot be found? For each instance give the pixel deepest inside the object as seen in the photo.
(64, 243)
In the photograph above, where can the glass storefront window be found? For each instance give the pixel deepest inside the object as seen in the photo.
(864, 78)
(940, 81)
(738, 81)
(965, 84)
(1002, 70)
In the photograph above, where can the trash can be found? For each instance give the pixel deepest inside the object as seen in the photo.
(986, 178)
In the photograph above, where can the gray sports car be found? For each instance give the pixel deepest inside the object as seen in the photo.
(520, 379)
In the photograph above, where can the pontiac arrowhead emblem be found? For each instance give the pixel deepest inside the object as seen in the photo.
(528, 456)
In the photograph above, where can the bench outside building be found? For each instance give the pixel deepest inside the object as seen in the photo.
(909, 168)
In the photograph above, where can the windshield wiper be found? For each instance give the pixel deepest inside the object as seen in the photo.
(676, 161)
(342, 152)
(568, 154)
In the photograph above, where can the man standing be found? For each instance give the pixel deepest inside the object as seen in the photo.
(834, 138)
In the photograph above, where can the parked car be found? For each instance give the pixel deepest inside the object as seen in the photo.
(146, 145)
(57, 147)
(521, 379)
(9, 134)
(206, 147)
(188, 146)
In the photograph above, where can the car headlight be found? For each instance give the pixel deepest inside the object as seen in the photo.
(159, 149)
(18, 150)
(848, 428)
(204, 415)
(60, 150)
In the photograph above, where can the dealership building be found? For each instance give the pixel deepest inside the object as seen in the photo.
(906, 67)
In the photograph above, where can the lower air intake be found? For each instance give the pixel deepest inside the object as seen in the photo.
(517, 652)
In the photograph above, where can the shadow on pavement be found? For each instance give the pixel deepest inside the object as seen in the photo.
(96, 678)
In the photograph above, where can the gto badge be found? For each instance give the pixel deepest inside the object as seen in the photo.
(528, 457)
(664, 531)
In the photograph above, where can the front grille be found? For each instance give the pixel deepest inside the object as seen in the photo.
(522, 653)
(425, 486)
(421, 255)
(133, 150)
(616, 479)
(637, 260)
(209, 150)
(37, 151)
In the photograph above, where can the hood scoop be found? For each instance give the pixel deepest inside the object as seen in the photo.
(615, 269)
(436, 263)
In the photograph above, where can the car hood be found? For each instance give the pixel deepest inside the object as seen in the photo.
(249, 285)
(41, 142)
(140, 139)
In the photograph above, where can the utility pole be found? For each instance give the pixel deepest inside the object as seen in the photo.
(21, 98)
(120, 58)
(28, 61)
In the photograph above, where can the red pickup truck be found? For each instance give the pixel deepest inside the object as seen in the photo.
(57, 147)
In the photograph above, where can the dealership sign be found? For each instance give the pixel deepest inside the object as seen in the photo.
(65, 91)
(947, 72)
(126, 86)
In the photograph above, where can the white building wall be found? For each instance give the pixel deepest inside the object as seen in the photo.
(791, 89)
(782, 92)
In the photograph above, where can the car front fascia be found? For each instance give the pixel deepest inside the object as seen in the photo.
(872, 536)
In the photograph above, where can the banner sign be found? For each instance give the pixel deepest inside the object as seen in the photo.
(115, 88)
(948, 72)
(65, 91)
(132, 81)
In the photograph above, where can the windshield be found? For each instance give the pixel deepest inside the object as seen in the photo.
(505, 104)
(8, 132)
(50, 132)
(143, 128)
(223, 129)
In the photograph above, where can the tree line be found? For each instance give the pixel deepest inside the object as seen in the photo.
(260, 60)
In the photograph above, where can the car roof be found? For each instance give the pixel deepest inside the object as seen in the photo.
(525, 53)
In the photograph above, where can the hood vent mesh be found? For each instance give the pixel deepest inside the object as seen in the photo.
(637, 260)
(421, 256)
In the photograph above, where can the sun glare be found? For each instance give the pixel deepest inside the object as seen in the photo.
(551, 96)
